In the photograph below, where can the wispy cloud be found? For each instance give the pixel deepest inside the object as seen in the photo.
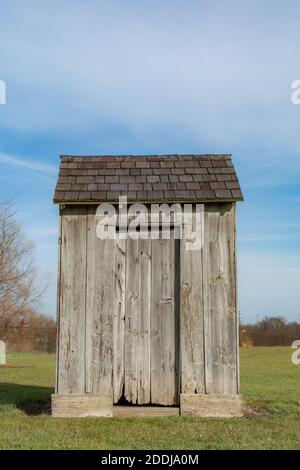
(266, 237)
(37, 166)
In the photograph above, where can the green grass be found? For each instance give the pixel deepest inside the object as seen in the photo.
(268, 381)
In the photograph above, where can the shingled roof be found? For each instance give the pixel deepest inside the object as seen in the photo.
(181, 178)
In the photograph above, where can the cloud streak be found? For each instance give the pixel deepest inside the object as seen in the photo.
(33, 165)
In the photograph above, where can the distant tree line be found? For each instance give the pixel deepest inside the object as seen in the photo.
(22, 326)
(270, 331)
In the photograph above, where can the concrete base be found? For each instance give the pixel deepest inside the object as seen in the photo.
(81, 406)
(221, 406)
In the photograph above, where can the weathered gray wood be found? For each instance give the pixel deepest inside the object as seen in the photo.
(235, 301)
(58, 299)
(143, 384)
(119, 318)
(81, 406)
(164, 372)
(192, 320)
(220, 406)
(99, 311)
(144, 411)
(220, 300)
(119, 321)
(71, 366)
(90, 288)
(103, 308)
(150, 361)
(2, 353)
(132, 321)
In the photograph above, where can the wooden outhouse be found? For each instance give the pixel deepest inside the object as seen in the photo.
(147, 326)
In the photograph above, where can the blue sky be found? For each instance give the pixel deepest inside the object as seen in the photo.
(110, 76)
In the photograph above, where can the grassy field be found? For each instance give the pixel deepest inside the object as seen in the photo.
(270, 386)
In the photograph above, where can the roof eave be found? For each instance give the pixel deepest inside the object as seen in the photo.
(149, 201)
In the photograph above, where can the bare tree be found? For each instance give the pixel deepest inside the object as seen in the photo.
(20, 287)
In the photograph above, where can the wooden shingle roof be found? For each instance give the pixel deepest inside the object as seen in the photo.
(181, 178)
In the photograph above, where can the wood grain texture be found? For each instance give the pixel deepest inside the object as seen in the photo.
(164, 369)
(132, 321)
(90, 287)
(144, 411)
(220, 300)
(131, 311)
(58, 300)
(217, 406)
(235, 287)
(192, 320)
(119, 319)
(71, 358)
(103, 307)
(76, 406)
(144, 269)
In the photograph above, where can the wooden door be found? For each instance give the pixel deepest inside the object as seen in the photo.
(148, 371)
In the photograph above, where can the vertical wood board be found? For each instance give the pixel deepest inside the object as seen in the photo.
(71, 365)
(220, 302)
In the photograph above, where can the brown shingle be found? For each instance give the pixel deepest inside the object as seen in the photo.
(99, 195)
(143, 164)
(84, 179)
(84, 195)
(118, 187)
(136, 186)
(205, 194)
(223, 177)
(109, 179)
(223, 193)
(232, 185)
(140, 179)
(100, 179)
(197, 178)
(185, 178)
(127, 165)
(217, 185)
(152, 179)
(127, 179)
(236, 194)
(147, 178)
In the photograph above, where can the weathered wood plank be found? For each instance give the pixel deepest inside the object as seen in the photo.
(192, 320)
(81, 406)
(143, 385)
(58, 301)
(220, 300)
(164, 372)
(235, 301)
(132, 321)
(103, 307)
(144, 411)
(90, 278)
(206, 405)
(71, 358)
(119, 319)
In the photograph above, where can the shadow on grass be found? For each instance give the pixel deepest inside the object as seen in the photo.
(31, 399)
